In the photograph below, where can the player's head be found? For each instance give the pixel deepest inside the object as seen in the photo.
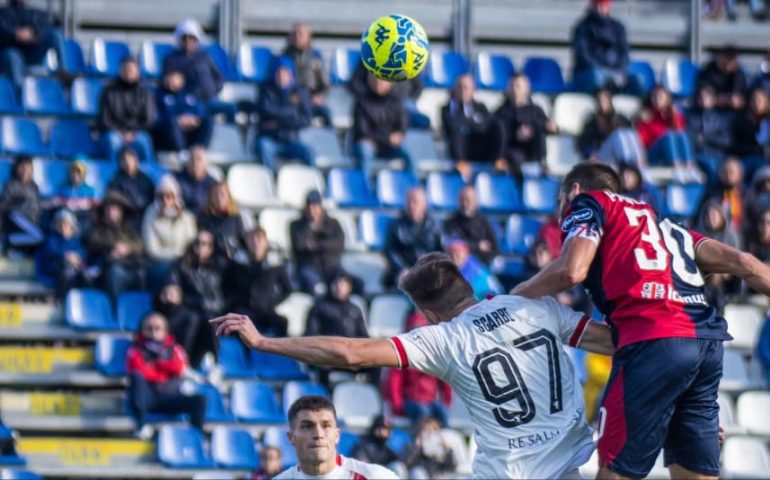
(586, 177)
(436, 287)
(313, 430)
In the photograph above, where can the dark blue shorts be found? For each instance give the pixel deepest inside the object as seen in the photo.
(662, 394)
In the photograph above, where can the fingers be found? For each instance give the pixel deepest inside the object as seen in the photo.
(229, 326)
(224, 318)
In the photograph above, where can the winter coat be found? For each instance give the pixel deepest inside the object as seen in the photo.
(329, 241)
(309, 68)
(330, 316)
(375, 117)
(256, 287)
(202, 77)
(710, 130)
(597, 129)
(722, 83)
(228, 231)
(600, 42)
(53, 251)
(23, 198)
(283, 112)
(473, 230)
(162, 363)
(167, 238)
(171, 105)
(461, 120)
(19, 16)
(195, 193)
(139, 189)
(655, 124)
(407, 241)
(126, 107)
(201, 284)
(513, 116)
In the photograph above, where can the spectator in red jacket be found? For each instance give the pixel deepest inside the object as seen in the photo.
(155, 363)
(415, 394)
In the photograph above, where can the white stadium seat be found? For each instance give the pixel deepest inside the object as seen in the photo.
(296, 308)
(369, 267)
(543, 101)
(745, 457)
(735, 374)
(357, 404)
(276, 223)
(727, 414)
(252, 185)
(570, 111)
(387, 315)
(430, 102)
(340, 104)
(492, 100)
(326, 147)
(561, 154)
(753, 409)
(294, 182)
(744, 323)
(460, 449)
(627, 105)
(349, 223)
(227, 145)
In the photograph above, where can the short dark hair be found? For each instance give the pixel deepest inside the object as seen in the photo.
(592, 176)
(310, 402)
(435, 283)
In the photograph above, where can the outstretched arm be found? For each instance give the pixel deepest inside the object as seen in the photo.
(565, 272)
(713, 256)
(597, 339)
(327, 351)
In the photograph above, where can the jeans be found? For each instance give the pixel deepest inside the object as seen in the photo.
(622, 146)
(14, 60)
(269, 148)
(119, 278)
(673, 148)
(145, 397)
(589, 79)
(169, 136)
(365, 152)
(417, 411)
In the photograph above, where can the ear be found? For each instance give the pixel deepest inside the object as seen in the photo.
(290, 435)
(576, 189)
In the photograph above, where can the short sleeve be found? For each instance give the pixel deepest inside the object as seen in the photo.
(584, 219)
(571, 323)
(423, 349)
(697, 238)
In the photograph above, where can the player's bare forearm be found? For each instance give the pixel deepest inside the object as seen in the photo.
(713, 256)
(570, 269)
(333, 351)
(597, 339)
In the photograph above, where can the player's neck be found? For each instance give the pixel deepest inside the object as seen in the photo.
(462, 306)
(318, 469)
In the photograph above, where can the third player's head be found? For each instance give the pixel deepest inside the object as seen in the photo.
(586, 177)
(314, 433)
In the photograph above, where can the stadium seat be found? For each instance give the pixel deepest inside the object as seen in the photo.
(735, 372)
(72, 139)
(644, 74)
(444, 67)
(295, 308)
(222, 61)
(73, 61)
(540, 195)
(422, 147)
(344, 63)
(340, 103)
(727, 418)
(544, 75)
(745, 457)
(151, 56)
(744, 323)
(131, 307)
(254, 63)
(276, 222)
(753, 410)
(9, 104)
(679, 76)
(293, 390)
(182, 447)
(561, 154)
(492, 71)
(44, 96)
(497, 193)
(255, 402)
(570, 111)
(233, 360)
(543, 101)
(347, 443)
(392, 186)
(387, 315)
(10, 474)
(215, 405)
(507, 269)
(459, 418)
(348, 188)
(99, 173)
(252, 185)
(227, 145)
(84, 95)
(5, 170)
(49, 175)
(275, 368)
(348, 220)
(106, 56)
(459, 446)
(110, 354)
(520, 233)
(443, 189)
(627, 105)
(373, 227)
(357, 404)
(430, 102)
(368, 266)
(326, 147)
(21, 136)
(89, 309)
(682, 200)
(399, 441)
(276, 437)
(294, 182)
(233, 448)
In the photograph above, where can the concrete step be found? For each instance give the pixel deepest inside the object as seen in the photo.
(16, 269)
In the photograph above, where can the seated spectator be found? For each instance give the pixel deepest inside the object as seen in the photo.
(20, 210)
(429, 455)
(317, 242)
(310, 70)
(76, 195)
(661, 128)
(472, 133)
(126, 107)
(525, 126)
(379, 125)
(373, 448)
(255, 286)
(725, 75)
(763, 349)
(713, 223)
(115, 245)
(195, 181)
(131, 182)
(63, 257)
(413, 234)
(710, 128)
(199, 275)
(221, 217)
(757, 201)
(201, 75)
(284, 109)
(759, 245)
(633, 185)
(189, 327)
(468, 224)
(728, 193)
(762, 79)
(26, 35)
(751, 132)
(155, 364)
(182, 118)
(473, 270)
(269, 463)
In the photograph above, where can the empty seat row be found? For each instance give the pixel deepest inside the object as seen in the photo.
(91, 309)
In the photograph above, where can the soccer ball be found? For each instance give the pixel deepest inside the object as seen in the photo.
(394, 48)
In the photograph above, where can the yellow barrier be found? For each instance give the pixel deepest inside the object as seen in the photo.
(65, 404)
(85, 451)
(10, 315)
(41, 360)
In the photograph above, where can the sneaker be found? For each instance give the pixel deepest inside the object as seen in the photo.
(145, 433)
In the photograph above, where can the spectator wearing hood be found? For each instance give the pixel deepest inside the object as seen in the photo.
(202, 77)
(20, 209)
(167, 228)
(310, 69)
(473, 270)
(762, 78)
(63, 257)
(469, 225)
(713, 223)
(751, 132)
(373, 448)
(188, 327)
(284, 109)
(633, 185)
(195, 181)
(710, 128)
(725, 75)
(182, 117)
(135, 185)
(757, 200)
(222, 218)
(76, 194)
(199, 274)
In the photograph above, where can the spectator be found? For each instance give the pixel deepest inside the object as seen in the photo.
(413, 234)
(525, 126)
(759, 245)
(408, 91)
(751, 132)
(76, 195)
(195, 181)
(474, 271)
(189, 327)
(199, 275)
(710, 128)
(379, 125)
(284, 109)
(126, 107)
(471, 132)
(221, 217)
(63, 257)
(317, 242)
(311, 73)
(757, 201)
(763, 349)
(201, 75)
(728, 193)
(762, 79)
(255, 286)
(116, 246)
(155, 364)
(550, 233)
(131, 182)
(713, 223)
(633, 185)
(269, 463)
(724, 74)
(26, 35)
(430, 456)
(601, 52)
(182, 118)
(373, 448)
(468, 224)
(20, 210)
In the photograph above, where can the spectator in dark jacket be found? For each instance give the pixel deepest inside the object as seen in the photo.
(472, 133)
(26, 35)
(410, 236)
(284, 109)
(310, 69)
(199, 275)
(63, 257)
(468, 224)
(759, 244)
(407, 90)
(222, 218)
(189, 327)
(762, 79)
(195, 181)
(133, 183)
(20, 209)
(379, 125)
(751, 132)
(757, 201)
(155, 364)
(317, 241)
(373, 448)
(710, 128)
(201, 75)
(255, 286)
(182, 118)
(725, 76)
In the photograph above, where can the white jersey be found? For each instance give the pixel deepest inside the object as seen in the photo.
(504, 358)
(347, 469)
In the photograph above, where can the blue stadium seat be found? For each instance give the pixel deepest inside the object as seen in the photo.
(72, 139)
(270, 367)
(89, 309)
(73, 62)
(644, 73)
(106, 56)
(6, 165)
(348, 443)
(544, 75)
(84, 95)
(293, 390)
(132, 306)
(276, 437)
(392, 186)
(344, 63)
(492, 71)
(255, 63)
(234, 448)
(151, 56)
(348, 188)
(679, 77)
(17, 474)
(44, 96)
(182, 447)
(155, 171)
(444, 68)
(682, 200)
(497, 193)
(540, 195)
(49, 175)
(9, 104)
(399, 441)
(233, 360)
(110, 355)
(98, 175)
(507, 267)
(215, 405)
(442, 189)
(520, 233)
(373, 227)
(255, 402)
(21, 136)
(223, 61)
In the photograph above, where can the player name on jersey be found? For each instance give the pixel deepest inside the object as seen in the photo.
(659, 291)
(493, 320)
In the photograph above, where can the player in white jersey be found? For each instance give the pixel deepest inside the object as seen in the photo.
(503, 357)
(314, 433)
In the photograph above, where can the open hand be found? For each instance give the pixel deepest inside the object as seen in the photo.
(240, 325)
